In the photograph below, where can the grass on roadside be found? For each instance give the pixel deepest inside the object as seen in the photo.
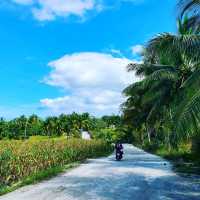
(183, 160)
(39, 176)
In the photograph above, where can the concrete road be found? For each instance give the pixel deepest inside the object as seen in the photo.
(140, 176)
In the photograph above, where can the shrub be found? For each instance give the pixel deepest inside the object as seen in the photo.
(196, 146)
(151, 147)
(111, 135)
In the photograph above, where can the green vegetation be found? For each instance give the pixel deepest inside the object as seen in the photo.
(36, 177)
(32, 149)
(64, 125)
(163, 108)
(184, 159)
(24, 162)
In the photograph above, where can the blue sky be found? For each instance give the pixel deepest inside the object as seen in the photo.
(60, 56)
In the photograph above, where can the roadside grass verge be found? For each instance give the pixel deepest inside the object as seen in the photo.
(183, 159)
(183, 162)
(37, 177)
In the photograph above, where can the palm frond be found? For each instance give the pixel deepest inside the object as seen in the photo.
(190, 9)
(156, 109)
(186, 6)
(187, 91)
(161, 42)
(138, 68)
(188, 25)
(157, 91)
(187, 116)
(160, 75)
(172, 47)
(135, 88)
(150, 97)
(189, 119)
(193, 82)
(146, 69)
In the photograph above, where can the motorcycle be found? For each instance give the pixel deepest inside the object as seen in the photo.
(119, 155)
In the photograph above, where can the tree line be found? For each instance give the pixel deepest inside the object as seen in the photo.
(69, 125)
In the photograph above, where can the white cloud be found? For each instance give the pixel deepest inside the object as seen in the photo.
(96, 103)
(50, 9)
(137, 49)
(92, 81)
(89, 69)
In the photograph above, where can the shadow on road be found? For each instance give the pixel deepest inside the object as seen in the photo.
(138, 176)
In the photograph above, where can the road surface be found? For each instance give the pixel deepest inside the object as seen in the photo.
(140, 176)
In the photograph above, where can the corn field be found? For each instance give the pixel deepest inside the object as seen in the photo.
(20, 159)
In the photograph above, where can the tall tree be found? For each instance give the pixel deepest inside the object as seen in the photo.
(170, 62)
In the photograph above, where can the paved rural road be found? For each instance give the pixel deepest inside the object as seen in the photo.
(140, 176)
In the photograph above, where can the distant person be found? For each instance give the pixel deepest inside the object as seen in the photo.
(119, 150)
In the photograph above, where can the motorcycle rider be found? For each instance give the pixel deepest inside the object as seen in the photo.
(119, 149)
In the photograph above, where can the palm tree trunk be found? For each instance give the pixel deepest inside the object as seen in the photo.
(142, 138)
(149, 136)
(168, 141)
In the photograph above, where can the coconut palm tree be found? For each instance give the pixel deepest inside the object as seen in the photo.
(148, 99)
(183, 52)
(170, 71)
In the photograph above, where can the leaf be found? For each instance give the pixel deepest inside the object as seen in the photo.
(189, 118)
